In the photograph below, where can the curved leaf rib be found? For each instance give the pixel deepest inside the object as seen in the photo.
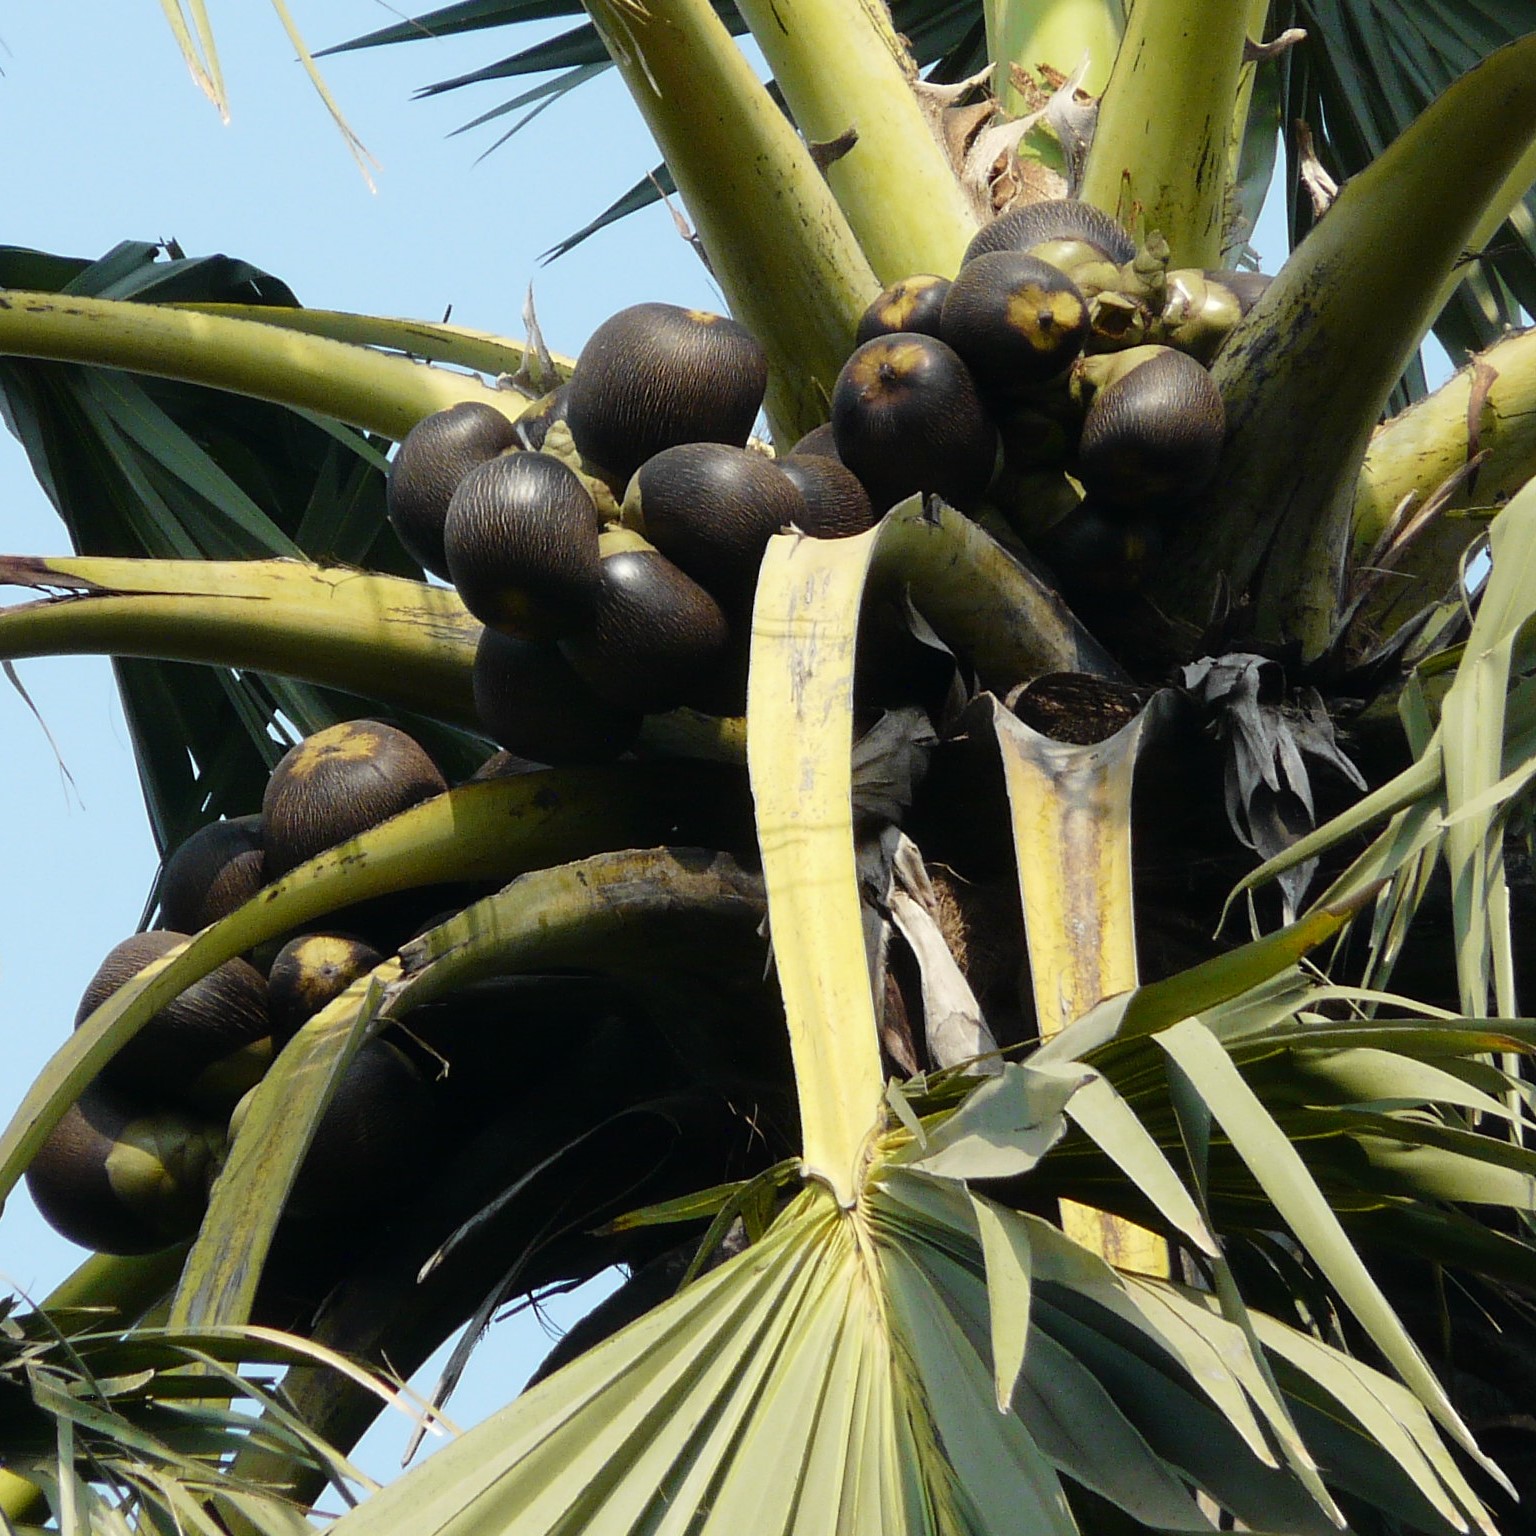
(354, 384)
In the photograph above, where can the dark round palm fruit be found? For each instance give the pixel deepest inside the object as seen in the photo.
(337, 783)
(836, 504)
(1153, 434)
(205, 1047)
(711, 509)
(215, 870)
(534, 424)
(1063, 218)
(820, 442)
(653, 376)
(1015, 320)
(1201, 309)
(529, 698)
(308, 972)
(521, 539)
(433, 457)
(1097, 552)
(913, 304)
(119, 1178)
(657, 639)
(908, 417)
(375, 1140)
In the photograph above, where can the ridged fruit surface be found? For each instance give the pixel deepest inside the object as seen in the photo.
(836, 504)
(655, 375)
(433, 457)
(521, 539)
(1054, 219)
(337, 783)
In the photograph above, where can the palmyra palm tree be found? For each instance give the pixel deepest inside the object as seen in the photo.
(1183, 1248)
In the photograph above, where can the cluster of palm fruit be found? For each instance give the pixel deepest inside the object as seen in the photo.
(1057, 346)
(609, 540)
(129, 1167)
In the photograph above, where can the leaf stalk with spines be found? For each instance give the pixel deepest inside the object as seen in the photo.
(843, 70)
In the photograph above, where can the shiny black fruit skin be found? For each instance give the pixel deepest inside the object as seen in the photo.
(711, 509)
(907, 417)
(653, 376)
(913, 304)
(657, 639)
(1055, 219)
(521, 540)
(1016, 321)
(433, 457)
(1153, 436)
(531, 701)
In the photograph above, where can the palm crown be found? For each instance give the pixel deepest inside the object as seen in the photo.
(1036, 1218)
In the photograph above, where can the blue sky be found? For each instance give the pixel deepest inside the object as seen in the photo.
(120, 145)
